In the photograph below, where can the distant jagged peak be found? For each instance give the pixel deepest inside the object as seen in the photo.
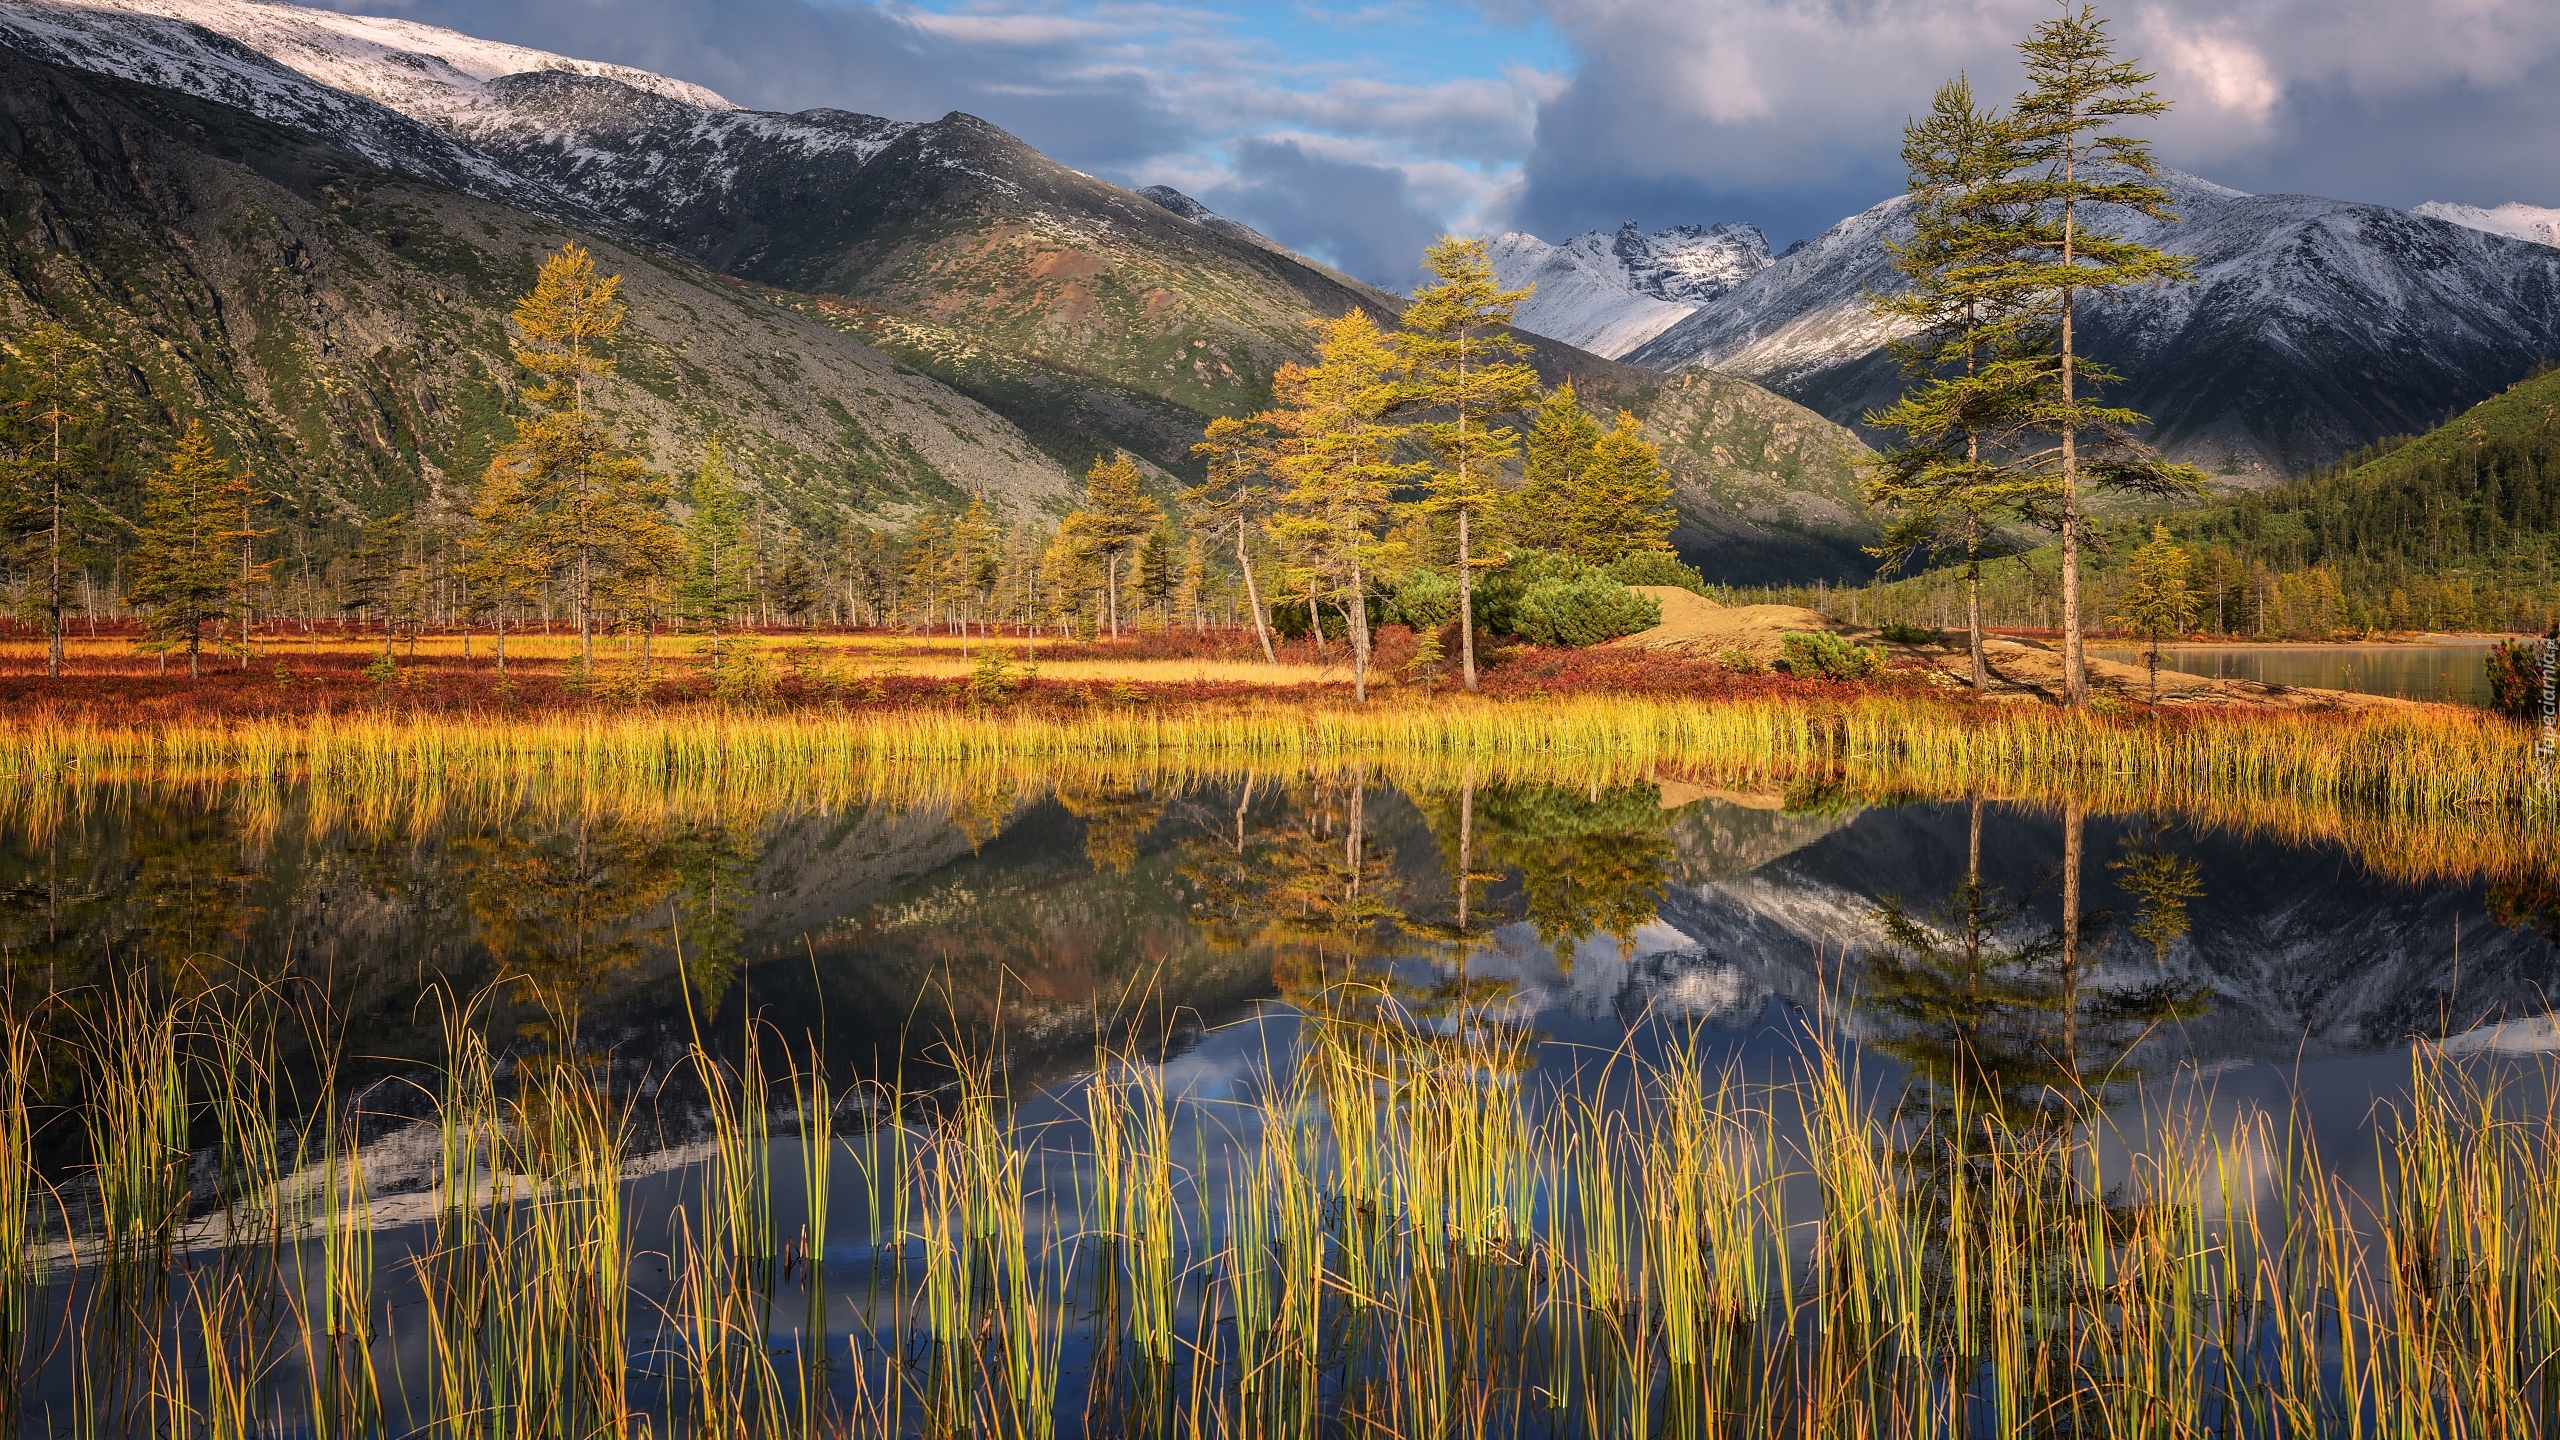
(1683, 265)
(2514, 219)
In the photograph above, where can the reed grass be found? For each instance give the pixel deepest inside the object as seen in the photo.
(2435, 793)
(1411, 1236)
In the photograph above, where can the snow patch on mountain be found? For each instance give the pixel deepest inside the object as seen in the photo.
(2539, 224)
(2239, 370)
(514, 121)
(1611, 293)
(173, 52)
(438, 76)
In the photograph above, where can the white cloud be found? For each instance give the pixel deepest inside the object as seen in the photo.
(1783, 112)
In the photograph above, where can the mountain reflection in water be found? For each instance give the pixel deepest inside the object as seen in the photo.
(1035, 911)
(1991, 967)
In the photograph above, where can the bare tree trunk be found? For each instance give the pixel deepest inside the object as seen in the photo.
(2075, 674)
(1973, 610)
(1357, 614)
(1466, 606)
(2074, 822)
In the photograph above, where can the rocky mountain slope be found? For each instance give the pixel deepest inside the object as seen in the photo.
(342, 326)
(1611, 293)
(955, 221)
(2314, 326)
(1768, 491)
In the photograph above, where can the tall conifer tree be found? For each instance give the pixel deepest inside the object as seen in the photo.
(594, 508)
(1237, 494)
(2072, 161)
(1623, 506)
(181, 568)
(1562, 436)
(54, 404)
(718, 579)
(1942, 489)
(1337, 460)
(1465, 370)
(239, 537)
(1118, 514)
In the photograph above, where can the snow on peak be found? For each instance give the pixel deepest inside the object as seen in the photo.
(172, 52)
(491, 117)
(2516, 221)
(1609, 293)
(430, 74)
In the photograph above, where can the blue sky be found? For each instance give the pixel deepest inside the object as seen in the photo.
(1359, 129)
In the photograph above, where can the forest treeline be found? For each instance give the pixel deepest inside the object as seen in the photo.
(1390, 480)
(2454, 530)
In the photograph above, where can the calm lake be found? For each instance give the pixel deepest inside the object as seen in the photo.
(609, 1019)
(2454, 671)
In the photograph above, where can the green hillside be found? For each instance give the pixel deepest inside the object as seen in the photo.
(342, 331)
(2454, 530)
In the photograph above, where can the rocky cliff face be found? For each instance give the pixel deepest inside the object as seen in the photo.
(1612, 293)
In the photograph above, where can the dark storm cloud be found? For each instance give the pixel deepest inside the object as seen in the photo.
(1359, 218)
(1788, 113)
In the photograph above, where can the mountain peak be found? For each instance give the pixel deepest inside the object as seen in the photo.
(1192, 210)
(2515, 220)
(1611, 292)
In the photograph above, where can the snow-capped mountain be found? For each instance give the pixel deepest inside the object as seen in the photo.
(515, 122)
(164, 45)
(2305, 953)
(2537, 223)
(2314, 326)
(437, 76)
(1610, 293)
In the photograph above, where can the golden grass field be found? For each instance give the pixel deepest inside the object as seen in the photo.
(920, 657)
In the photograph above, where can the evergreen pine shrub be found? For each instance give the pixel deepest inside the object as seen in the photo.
(1657, 567)
(1583, 611)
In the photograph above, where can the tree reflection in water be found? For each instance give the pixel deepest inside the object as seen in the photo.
(2008, 1048)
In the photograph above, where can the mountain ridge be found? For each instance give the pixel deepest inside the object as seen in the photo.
(1075, 315)
(2315, 326)
(342, 327)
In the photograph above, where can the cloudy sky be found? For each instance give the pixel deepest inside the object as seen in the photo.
(1357, 129)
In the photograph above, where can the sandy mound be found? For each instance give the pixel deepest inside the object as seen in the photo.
(2020, 669)
(1694, 625)
(2026, 669)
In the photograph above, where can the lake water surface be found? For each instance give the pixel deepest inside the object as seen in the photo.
(2453, 671)
(1500, 963)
